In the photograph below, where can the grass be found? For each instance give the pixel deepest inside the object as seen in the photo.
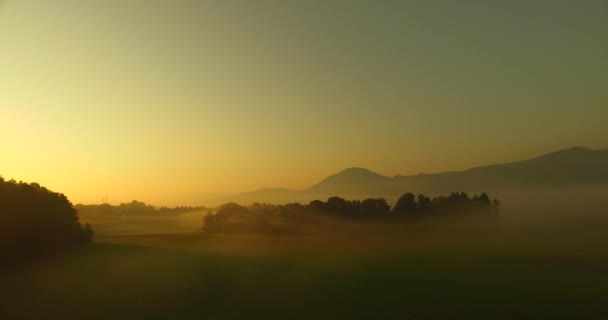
(498, 275)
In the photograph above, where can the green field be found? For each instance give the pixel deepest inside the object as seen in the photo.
(386, 274)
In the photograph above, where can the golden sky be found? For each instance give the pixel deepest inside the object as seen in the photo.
(172, 102)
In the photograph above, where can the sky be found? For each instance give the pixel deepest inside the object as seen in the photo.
(173, 102)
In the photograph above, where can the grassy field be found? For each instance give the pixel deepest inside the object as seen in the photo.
(386, 274)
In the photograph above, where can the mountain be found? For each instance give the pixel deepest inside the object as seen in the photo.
(569, 167)
(352, 180)
(574, 166)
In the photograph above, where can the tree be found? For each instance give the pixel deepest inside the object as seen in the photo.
(317, 205)
(406, 205)
(88, 233)
(485, 199)
(230, 211)
(208, 221)
(496, 203)
(36, 221)
(424, 203)
(336, 205)
(374, 207)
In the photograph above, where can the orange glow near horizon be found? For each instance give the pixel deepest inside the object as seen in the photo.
(177, 103)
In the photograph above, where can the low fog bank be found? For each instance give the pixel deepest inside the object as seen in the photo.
(140, 218)
(557, 207)
(551, 209)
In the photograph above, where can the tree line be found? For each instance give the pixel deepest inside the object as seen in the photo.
(133, 208)
(409, 207)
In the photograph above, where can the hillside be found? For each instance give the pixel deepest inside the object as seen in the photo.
(568, 167)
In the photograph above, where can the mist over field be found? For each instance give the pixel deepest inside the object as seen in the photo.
(565, 207)
(531, 252)
(298, 159)
(542, 256)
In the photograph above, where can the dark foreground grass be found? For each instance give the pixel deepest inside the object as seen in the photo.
(501, 278)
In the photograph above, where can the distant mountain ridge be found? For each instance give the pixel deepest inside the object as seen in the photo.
(350, 179)
(573, 166)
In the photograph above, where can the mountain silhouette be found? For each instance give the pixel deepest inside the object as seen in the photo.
(351, 180)
(568, 167)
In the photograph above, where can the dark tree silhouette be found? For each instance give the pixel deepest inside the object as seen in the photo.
(284, 218)
(231, 212)
(209, 220)
(484, 198)
(496, 203)
(375, 208)
(337, 205)
(317, 205)
(425, 204)
(232, 217)
(35, 221)
(406, 205)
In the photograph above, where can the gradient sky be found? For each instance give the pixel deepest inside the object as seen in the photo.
(170, 102)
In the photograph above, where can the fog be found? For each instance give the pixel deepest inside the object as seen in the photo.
(537, 221)
(542, 244)
(579, 206)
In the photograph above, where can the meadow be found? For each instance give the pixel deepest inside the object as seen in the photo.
(378, 273)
